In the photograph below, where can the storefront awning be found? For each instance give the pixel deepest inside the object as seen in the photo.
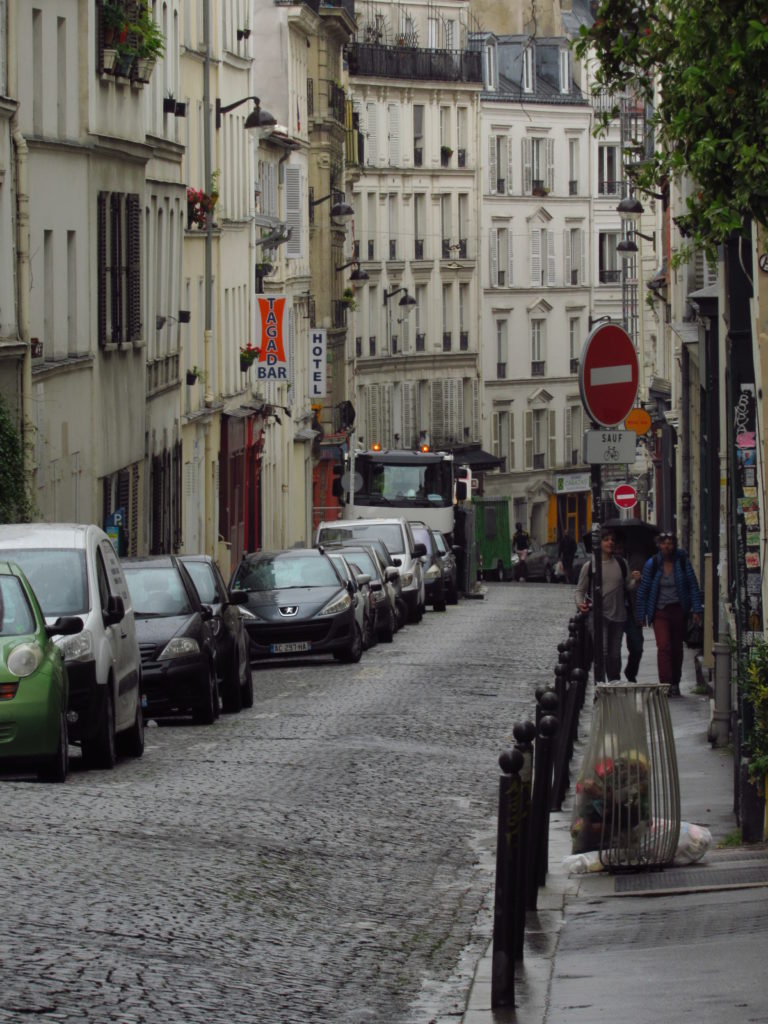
(477, 459)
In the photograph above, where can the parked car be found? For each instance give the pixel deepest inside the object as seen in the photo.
(34, 689)
(406, 552)
(175, 639)
(450, 566)
(434, 581)
(360, 592)
(538, 564)
(232, 656)
(300, 605)
(74, 570)
(579, 558)
(384, 584)
(391, 571)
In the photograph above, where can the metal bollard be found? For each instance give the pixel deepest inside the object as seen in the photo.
(524, 733)
(538, 821)
(508, 856)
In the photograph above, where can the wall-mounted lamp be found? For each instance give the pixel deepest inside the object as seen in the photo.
(274, 238)
(159, 323)
(258, 120)
(185, 315)
(340, 211)
(358, 274)
(630, 209)
(243, 33)
(629, 245)
(407, 302)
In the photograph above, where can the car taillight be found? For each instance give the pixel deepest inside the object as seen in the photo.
(8, 690)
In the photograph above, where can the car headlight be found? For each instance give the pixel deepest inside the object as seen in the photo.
(179, 647)
(76, 648)
(24, 659)
(247, 614)
(432, 573)
(407, 579)
(338, 604)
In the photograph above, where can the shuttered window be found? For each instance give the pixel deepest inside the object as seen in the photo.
(372, 149)
(446, 411)
(118, 271)
(293, 211)
(393, 126)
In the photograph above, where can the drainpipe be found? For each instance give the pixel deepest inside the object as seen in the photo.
(207, 358)
(21, 172)
(685, 456)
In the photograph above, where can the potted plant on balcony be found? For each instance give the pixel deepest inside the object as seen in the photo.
(445, 155)
(114, 23)
(247, 356)
(348, 299)
(194, 374)
(151, 43)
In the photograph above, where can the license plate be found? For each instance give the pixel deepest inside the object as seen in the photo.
(294, 648)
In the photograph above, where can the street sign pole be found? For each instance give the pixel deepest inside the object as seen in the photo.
(597, 576)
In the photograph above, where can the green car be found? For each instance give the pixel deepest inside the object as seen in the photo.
(33, 682)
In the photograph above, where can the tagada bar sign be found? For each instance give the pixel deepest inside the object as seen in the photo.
(607, 447)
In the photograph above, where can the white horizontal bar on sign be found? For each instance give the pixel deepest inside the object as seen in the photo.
(610, 375)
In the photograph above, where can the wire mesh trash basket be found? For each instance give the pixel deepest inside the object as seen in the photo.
(627, 797)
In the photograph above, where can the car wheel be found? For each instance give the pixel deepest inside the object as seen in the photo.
(401, 613)
(131, 742)
(439, 603)
(100, 751)
(205, 714)
(417, 613)
(369, 638)
(354, 652)
(56, 767)
(387, 634)
(246, 688)
(232, 697)
(453, 595)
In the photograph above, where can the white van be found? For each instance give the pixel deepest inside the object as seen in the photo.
(405, 551)
(74, 570)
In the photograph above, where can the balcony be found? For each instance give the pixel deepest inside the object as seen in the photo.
(539, 460)
(574, 277)
(538, 188)
(310, 97)
(393, 248)
(421, 340)
(610, 276)
(371, 248)
(462, 158)
(394, 344)
(608, 188)
(501, 371)
(501, 185)
(418, 156)
(447, 341)
(501, 278)
(337, 102)
(446, 249)
(358, 346)
(372, 346)
(538, 368)
(356, 248)
(418, 249)
(462, 248)
(574, 366)
(573, 188)
(413, 63)
(463, 341)
(338, 314)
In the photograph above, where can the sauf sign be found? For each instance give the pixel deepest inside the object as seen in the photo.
(317, 364)
(272, 363)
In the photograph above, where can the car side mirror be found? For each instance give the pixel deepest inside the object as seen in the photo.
(375, 585)
(65, 625)
(362, 579)
(115, 610)
(419, 550)
(206, 613)
(397, 561)
(391, 574)
(237, 597)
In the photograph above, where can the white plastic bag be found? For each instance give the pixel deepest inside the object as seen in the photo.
(693, 843)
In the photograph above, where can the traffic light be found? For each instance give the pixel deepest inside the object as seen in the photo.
(337, 488)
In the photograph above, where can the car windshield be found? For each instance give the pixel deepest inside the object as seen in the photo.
(157, 590)
(341, 565)
(365, 563)
(203, 578)
(57, 576)
(421, 536)
(16, 618)
(390, 533)
(273, 572)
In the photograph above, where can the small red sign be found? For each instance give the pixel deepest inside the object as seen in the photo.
(608, 374)
(625, 496)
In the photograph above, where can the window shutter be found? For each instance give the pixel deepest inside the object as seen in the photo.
(293, 211)
(527, 168)
(582, 257)
(101, 265)
(373, 414)
(567, 436)
(406, 409)
(386, 414)
(550, 257)
(116, 265)
(475, 409)
(504, 161)
(510, 256)
(372, 153)
(495, 434)
(291, 356)
(528, 416)
(494, 236)
(510, 164)
(567, 254)
(511, 455)
(550, 164)
(535, 256)
(492, 164)
(393, 114)
(133, 270)
(552, 439)
(436, 421)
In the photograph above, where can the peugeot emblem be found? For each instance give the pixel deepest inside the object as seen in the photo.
(289, 609)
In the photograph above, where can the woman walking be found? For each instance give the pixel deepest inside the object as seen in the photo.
(667, 593)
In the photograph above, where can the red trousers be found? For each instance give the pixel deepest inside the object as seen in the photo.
(669, 630)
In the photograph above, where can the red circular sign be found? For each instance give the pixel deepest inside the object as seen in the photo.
(625, 496)
(608, 374)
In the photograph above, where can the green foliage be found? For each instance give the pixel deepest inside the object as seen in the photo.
(15, 506)
(753, 676)
(709, 59)
(151, 41)
(731, 839)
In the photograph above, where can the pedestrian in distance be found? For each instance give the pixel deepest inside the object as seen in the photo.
(633, 629)
(668, 593)
(565, 552)
(618, 582)
(521, 542)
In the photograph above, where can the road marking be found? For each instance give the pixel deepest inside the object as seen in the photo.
(610, 375)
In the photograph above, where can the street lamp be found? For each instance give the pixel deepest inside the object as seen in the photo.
(358, 274)
(341, 211)
(407, 304)
(259, 120)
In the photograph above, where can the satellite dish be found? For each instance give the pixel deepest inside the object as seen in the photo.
(348, 481)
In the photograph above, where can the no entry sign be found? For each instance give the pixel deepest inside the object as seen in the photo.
(625, 496)
(608, 374)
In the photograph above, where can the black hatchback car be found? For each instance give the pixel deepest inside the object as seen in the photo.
(299, 604)
(230, 637)
(172, 628)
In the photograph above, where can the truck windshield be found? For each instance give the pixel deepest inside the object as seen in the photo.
(417, 486)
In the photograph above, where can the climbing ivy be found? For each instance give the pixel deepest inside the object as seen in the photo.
(15, 506)
(703, 65)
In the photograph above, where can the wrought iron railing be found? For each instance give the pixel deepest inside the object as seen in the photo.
(407, 62)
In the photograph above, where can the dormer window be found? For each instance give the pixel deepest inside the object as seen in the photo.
(565, 71)
(528, 69)
(489, 66)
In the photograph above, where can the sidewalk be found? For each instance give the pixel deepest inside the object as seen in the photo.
(683, 944)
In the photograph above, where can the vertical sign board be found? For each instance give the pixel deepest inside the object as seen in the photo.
(317, 348)
(272, 363)
(748, 532)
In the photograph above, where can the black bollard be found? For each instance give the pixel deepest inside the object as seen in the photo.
(524, 733)
(545, 741)
(508, 856)
(538, 821)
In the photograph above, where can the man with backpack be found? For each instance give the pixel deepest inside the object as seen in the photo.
(618, 582)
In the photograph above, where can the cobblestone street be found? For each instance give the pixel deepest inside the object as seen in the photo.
(322, 857)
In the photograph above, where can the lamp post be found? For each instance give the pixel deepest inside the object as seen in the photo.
(341, 211)
(358, 274)
(407, 304)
